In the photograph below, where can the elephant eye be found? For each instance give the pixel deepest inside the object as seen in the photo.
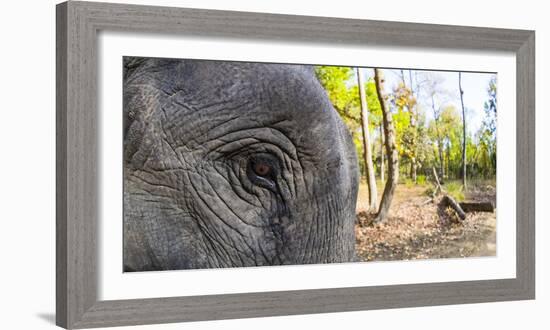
(262, 170)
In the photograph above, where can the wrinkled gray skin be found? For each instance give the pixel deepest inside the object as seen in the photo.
(192, 132)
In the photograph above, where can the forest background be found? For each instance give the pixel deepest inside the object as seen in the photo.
(426, 142)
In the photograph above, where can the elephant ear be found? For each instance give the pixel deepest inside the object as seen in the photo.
(145, 82)
(130, 64)
(135, 106)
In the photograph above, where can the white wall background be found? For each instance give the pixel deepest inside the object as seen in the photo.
(27, 163)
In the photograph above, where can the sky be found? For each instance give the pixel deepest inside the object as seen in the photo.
(474, 86)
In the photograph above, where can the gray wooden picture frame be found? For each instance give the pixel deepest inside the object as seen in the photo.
(77, 150)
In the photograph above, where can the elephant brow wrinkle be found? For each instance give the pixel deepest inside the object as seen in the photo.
(225, 122)
(282, 146)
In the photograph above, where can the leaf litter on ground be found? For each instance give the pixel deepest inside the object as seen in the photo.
(415, 229)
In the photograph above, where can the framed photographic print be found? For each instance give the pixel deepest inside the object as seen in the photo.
(216, 165)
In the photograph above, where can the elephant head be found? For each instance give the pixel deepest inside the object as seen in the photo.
(230, 164)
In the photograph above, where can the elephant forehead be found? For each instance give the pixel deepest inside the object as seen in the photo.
(220, 96)
(201, 104)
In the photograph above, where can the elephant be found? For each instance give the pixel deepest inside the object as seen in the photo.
(233, 164)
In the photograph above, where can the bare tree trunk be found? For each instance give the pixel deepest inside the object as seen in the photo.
(441, 161)
(463, 130)
(413, 169)
(411, 82)
(403, 77)
(391, 150)
(414, 118)
(438, 187)
(382, 153)
(439, 139)
(367, 151)
(448, 161)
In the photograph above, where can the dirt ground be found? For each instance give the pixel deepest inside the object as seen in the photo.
(418, 229)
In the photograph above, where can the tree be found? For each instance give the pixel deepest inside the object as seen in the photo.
(438, 136)
(375, 115)
(463, 129)
(367, 151)
(381, 153)
(487, 138)
(391, 149)
(448, 129)
(435, 97)
(406, 122)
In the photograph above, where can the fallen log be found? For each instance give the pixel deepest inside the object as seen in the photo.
(449, 201)
(477, 207)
